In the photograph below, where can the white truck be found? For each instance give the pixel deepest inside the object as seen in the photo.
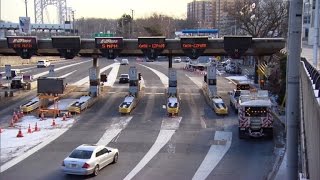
(235, 94)
(255, 117)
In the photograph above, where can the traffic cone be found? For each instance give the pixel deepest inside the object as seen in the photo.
(21, 113)
(64, 117)
(19, 133)
(1, 130)
(36, 127)
(11, 123)
(53, 123)
(16, 118)
(29, 129)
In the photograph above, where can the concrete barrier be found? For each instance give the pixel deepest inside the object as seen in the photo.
(311, 119)
(16, 60)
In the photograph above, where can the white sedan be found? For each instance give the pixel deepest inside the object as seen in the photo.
(89, 159)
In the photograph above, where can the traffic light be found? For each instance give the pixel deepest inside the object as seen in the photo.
(139, 75)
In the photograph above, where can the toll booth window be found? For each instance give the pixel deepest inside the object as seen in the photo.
(133, 83)
(212, 82)
(256, 111)
(172, 83)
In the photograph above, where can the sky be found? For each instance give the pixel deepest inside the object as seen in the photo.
(11, 10)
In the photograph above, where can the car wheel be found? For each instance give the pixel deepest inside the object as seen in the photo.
(96, 170)
(115, 158)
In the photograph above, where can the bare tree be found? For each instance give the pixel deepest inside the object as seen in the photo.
(261, 18)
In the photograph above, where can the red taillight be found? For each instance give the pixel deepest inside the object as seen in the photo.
(63, 163)
(86, 165)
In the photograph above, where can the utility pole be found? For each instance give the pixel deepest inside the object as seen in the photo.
(293, 82)
(73, 24)
(26, 2)
(132, 23)
(316, 35)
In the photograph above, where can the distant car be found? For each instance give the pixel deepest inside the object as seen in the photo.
(124, 62)
(219, 106)
(89, 159)
(43, 63)
(177, 59)
(124, 78)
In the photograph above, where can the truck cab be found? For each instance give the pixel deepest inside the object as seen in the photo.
(234, 99)
(17, 82)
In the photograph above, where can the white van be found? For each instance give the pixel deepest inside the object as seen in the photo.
(124, 62)
(43, 63)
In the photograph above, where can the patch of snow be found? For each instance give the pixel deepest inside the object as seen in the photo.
(63, 104)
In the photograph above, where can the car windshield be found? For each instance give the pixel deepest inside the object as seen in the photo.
(124, 76)
(81, 154)
(40, 61)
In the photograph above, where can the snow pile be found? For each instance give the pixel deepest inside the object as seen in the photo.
(63, 104)
(12, 147)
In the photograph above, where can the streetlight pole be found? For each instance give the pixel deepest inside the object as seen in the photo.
(132, 23)
(26, 2)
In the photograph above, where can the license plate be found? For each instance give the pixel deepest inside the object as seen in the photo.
(73, 165)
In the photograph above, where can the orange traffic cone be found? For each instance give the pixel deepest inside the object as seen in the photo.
(53, 123)
(29, 129)
(36, 127)
(16, 118)
(19, 133)
(11, 123)
(21, 113)
(1, 130)
(64, 117)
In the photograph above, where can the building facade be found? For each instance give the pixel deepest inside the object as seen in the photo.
(309, 21)
(202, 12)
(225, 24)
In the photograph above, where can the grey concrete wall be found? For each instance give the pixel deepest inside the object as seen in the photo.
(311, 110)
(16, 60)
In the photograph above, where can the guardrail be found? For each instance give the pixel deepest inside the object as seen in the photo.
(310, 91)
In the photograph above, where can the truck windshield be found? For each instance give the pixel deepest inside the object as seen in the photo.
(256, 111)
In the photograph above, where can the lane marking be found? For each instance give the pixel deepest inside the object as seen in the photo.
(86, 79)
(214, 155)
(164, 79)
(68, 74)
(118, 124)
(168, 128)
(57, 69)
(195, 80)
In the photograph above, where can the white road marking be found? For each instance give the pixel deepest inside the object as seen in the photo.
(164, 79)
(86, 79)
(168, 128)
(68, 74)
(214, 155)
(113, 74)
(195, 80)
(20, 158)
(57, 69)
(118, 124)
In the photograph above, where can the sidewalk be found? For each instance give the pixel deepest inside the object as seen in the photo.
(307, 52)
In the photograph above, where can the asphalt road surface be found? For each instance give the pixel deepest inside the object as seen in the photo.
(149, 147)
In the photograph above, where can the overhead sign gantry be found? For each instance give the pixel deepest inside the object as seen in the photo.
(67, 46)
(24, 46)
(109, 47)
(194, 47)
(152, 47)
(70, 46)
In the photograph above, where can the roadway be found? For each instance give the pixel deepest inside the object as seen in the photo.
(151, 145)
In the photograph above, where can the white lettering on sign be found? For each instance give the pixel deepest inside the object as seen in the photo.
(21, 41)
(108, 41)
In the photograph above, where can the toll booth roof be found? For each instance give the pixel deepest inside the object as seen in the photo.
(128, 99)
(257, 103)
(172, 100)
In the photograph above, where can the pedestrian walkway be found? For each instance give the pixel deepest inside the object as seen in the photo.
(307, 52)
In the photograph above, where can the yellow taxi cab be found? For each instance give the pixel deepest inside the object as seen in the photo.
(219, 106)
